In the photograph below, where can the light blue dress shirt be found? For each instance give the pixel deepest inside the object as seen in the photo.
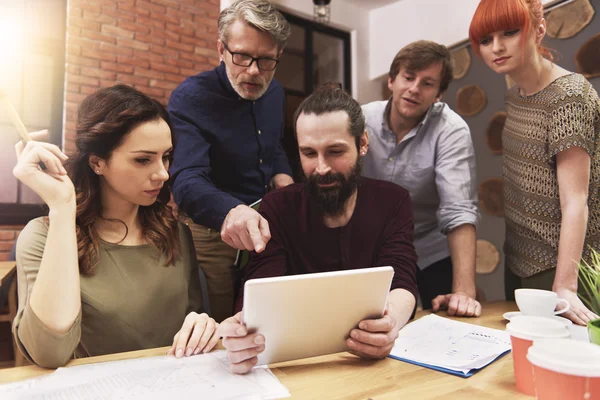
(435, 162)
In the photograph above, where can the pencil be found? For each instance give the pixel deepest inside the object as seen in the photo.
(14, 117)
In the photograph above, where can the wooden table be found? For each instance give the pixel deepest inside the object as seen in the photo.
(6, 268)
(344, 376)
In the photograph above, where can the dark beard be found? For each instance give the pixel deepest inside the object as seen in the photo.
(332, 201)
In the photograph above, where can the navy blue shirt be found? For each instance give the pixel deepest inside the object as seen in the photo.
(227, 148)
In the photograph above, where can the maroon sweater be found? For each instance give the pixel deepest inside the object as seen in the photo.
(379, 233)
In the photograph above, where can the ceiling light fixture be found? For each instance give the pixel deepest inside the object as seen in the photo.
(322, 10)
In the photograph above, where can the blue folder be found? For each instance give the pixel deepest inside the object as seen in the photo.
(446, 370)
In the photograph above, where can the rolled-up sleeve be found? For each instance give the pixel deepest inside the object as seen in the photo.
(456, 179)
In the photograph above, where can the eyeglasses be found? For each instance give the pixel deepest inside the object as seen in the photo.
(245, 60)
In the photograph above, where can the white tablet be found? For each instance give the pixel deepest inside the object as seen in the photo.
(312, 314)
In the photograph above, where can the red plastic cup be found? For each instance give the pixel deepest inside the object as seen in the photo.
(565, 369)
(523, 330)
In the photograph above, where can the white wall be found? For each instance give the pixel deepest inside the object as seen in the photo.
(398, 24)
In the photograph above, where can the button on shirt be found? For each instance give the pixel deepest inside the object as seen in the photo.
(435, 162)
(227, 148)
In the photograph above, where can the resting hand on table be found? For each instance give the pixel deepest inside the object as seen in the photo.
(578, 312)
(374, 338)
(52, 184)
(242, 348)
(245, 229)
(458, 304)
(198, 334)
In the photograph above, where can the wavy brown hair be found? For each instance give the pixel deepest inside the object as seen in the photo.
(104, 119)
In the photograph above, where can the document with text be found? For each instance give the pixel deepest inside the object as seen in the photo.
(450, 346)
(204, 376)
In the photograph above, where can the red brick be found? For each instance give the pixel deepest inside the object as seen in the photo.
(169, 34)
(73, 49)
(154, 8)
(119, 14)
(4, 255)
(174, 78)
(117, 31)
(90, 6)
(152, 92)
(75, 97)
(88, 89)
(133, 61)
(98, 36)
(81, 23)
(180, 46)
(108, 82)
(75, 12)
(205, 52)
(83, 42)
(134, 27)
(149, 73)
(109, 66)
(97, 73)
(171, 16)
(193, 41)
(191, 56)
(156, 25)
(134, 44)
(70, 125)
(164, 68)
(7, 235)
(147, 55)
(126, 5)
(118, 50)
(7, 246)
(71, 69)
(98, 54)
(149, 39)
(133, 79)
(164, 51)
(163, 84)
(197, 9)
(179, 62)
(99, 17)
(77, 60)
(188, 72)
(71, 86)
(174, 4)
(84, 80)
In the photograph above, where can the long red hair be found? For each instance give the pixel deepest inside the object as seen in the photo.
(503, 15)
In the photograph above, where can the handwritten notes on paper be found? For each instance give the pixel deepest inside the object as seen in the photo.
(450, 346)
(200, 377)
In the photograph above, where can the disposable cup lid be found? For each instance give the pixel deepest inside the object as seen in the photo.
(566, 356)
(530, 328)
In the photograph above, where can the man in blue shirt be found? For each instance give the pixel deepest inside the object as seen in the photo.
(228, 124)
(422, 145)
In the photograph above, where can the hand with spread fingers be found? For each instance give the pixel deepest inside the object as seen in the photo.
(52, 184)
(242, 348)
(197, 335)
(245, 229)
(458, 304)
(374, 338)
(578, 312)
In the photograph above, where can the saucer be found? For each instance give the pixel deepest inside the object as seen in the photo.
(511, 314)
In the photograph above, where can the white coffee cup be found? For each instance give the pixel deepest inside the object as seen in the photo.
(538, 302)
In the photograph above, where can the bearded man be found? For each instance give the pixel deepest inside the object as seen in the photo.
(335, 220)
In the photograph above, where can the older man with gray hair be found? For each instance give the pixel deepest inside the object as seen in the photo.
(228, 124)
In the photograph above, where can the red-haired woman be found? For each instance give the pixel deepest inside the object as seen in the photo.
(110, 269)
(551, 146)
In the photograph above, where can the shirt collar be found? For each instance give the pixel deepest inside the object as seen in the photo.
(386, 116)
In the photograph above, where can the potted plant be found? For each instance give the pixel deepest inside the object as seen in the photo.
(589, 276)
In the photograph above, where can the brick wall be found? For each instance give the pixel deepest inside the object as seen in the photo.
(8, 235)
(152, 45)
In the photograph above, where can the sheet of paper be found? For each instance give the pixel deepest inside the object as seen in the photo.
(205, 376)
(454, 345)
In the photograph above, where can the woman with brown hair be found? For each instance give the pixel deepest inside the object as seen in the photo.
(551, 145)
(110, 269)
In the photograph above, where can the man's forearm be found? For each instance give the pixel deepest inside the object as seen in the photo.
(403, 303)
(462, 242)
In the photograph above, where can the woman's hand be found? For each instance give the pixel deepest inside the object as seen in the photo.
(52, 184)
(198, 334)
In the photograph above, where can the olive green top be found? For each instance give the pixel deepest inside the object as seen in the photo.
(132, 302)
